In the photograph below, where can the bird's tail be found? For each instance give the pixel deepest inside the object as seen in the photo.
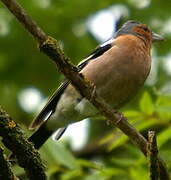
(42, 134)
(59, 133)
(39, 137)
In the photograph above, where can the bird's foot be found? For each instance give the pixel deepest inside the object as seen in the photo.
(120, 117)
(93, 92)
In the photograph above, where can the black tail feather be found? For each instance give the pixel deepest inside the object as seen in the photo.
(60, 133)
(40, 136)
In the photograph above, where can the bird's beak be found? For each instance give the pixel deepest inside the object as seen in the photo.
(156, 37)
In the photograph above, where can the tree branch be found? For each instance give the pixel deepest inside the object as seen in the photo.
(51, 48)
(152, 152)
(14, 139)
(5, 168)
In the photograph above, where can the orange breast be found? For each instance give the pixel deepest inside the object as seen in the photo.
(121, 71)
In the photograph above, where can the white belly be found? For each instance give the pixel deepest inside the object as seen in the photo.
(70, 110)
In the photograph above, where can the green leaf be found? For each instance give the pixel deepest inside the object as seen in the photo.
(72, 175)
(138, 173)
(18, 170)
(118, 142)
(122, 138)
(163, 101)
(90, 164)
(145, 124)
(164, 136)
(108, 138)
(146, 104)
(123, 162)
(132, 114)
(164, 113)
(94, 176)
(59, 154)
(163, 108)
(110, 172)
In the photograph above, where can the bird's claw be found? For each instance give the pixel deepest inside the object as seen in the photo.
(120, 117)
(93, 92)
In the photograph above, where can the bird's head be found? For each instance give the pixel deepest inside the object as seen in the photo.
(140, 30)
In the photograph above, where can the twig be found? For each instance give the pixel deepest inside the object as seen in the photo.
(5, 168)
(51, 48)
(14, 139)
(152, 152)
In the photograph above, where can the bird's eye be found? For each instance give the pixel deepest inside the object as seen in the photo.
(145, 29)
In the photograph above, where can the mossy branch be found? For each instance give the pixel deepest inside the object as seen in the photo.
(156, 170)
(152, 152)
(5, 168)
(51, 48)
(27, 157)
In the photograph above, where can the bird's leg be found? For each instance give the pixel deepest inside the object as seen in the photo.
(120, 117)
(94, 91)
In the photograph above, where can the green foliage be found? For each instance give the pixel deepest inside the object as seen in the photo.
(59, 154)
(108, 154)
(146, 104)
(164, 136)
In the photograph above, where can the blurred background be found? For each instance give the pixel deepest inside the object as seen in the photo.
(90, 149)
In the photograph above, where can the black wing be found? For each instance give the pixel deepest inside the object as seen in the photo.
(50, 107)
(96, 53)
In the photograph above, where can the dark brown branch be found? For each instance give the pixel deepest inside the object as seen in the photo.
(51, 48)
(152, 152)
(5, 168)
(14, 139)
(163, 173)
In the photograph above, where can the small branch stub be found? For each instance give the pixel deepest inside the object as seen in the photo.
(152, 152)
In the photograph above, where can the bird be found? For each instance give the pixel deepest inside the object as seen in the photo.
(118, 68)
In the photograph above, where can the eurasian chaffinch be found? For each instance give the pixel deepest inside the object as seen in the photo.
(117, 68)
